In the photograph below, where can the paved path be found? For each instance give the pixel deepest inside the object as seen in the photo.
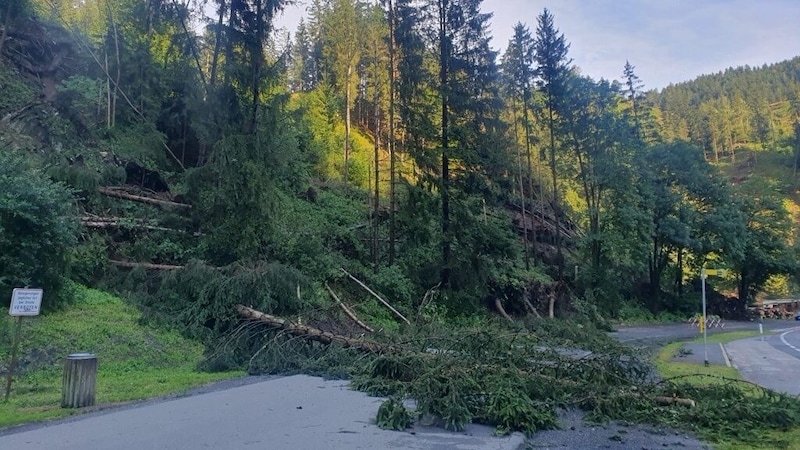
(298, 412)
(768, 362)
(660, 334)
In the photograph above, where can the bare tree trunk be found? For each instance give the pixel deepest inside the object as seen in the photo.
(445, 182)
(217, 44)
(525, 110)
(118, 75)
(138, 198)
(315, 334)
(347, 126)
(6, 24)
(257, 54)
(522, 187)
(376, 211)
(392, 140)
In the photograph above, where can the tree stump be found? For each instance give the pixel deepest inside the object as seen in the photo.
(79, 380)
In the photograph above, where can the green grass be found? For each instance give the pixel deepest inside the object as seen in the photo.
(700, 375)
(134, 361)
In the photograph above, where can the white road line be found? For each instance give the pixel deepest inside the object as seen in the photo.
(783, 339)
(725, 355)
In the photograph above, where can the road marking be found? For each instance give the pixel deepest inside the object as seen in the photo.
(725, 355)
(783, 339)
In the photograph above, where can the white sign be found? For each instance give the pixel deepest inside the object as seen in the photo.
(25, 302)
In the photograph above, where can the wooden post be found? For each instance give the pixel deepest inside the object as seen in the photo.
(12, 365)
(79, 380)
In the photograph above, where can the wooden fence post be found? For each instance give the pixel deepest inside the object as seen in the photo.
(79, 380)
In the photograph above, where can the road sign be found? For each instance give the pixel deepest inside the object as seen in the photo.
(25, 302)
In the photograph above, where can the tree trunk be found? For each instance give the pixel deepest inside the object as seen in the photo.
(556, 207)
(347, 100)
(315, 334)
(257, 56)
(530, 166)
(6, 24)
(445, 181)
(522, 187)
(392, 139)
(217, 43)
(138, 198)
(376, 155)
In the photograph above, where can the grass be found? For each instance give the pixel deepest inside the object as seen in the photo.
(135, 361)
(720, 375)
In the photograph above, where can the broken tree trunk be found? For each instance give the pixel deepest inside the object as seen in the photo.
(138, 198)
(385, 303)
(348, 312)
(499, 306)
(315, 334)
(148, 266)
(687, 402)
(99, 224)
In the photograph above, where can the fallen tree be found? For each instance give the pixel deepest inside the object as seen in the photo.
(146, 266)
(115, 222)
(118, 193)
(515, 378)
(315, 334)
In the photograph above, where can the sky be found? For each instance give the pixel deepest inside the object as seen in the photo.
(667, 41)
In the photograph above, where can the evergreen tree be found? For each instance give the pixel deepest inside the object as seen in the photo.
(553, 72)
(343, 45)
(519, 71)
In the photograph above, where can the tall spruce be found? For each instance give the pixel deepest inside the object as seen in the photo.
(467, 71)
(633, 87)
(519, 72)
(553, 70)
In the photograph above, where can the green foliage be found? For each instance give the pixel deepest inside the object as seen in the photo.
(83, 100)
(393, 415)
(201, 299)
(37, 231)
(763, 248)
(135, 361)
(17, 92)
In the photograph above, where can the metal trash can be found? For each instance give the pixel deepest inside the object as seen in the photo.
(79, 381)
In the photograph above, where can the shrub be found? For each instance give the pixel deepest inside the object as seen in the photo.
(37, 230)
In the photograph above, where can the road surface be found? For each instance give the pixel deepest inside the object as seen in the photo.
(298, 412)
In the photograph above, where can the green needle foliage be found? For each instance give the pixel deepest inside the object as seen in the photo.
(517, 379)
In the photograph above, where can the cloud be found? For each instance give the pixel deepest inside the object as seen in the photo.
(667, 41)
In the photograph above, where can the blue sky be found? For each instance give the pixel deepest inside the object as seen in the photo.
(668, 41)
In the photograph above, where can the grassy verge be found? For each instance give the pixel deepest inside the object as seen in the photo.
(135, 361)
(721, 375)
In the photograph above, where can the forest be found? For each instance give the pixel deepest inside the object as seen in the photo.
(194, 163)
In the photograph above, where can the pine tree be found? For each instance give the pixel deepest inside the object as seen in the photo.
(633, 92)
(553, 71)
(519, 71)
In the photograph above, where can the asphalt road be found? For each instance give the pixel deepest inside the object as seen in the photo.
(298, 412)
(772, 361)
(660, 334)
(302, 412)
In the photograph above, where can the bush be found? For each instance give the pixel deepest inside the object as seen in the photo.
(38, 227)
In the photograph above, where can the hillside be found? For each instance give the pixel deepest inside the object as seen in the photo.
(135, 361)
